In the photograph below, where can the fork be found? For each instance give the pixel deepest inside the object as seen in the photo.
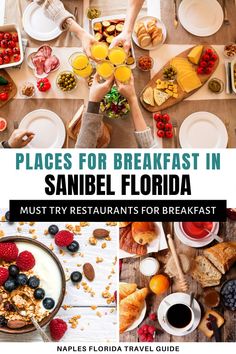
(226, 19)
(175, 128)
(227, 124)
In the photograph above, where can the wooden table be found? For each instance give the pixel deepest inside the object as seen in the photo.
(130, 273)
(122, 129)
(98, 324)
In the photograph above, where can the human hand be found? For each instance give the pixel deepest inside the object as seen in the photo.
(87, 40)
(99, 90)
(123, 38)
(127, 90)
(16, 139)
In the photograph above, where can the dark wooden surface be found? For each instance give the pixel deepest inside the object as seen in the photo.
(130, 273)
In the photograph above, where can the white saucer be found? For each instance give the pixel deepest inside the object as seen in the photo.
(174, 299)
(139, 320)
(195, 244)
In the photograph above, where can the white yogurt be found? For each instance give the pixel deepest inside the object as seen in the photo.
(46, 269)
(149, 266)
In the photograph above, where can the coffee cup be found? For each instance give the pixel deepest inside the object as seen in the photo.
(179, 317)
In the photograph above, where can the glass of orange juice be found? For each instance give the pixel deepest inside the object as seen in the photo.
(105, 69)
(99, 51)
(123, 73)
(86, 72)
(79, 61)
(117, 55)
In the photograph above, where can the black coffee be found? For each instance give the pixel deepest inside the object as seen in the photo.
(179, 315)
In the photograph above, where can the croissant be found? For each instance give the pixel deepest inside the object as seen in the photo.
(131, 307)
(128, 244)
(144, 232)
(126, 289)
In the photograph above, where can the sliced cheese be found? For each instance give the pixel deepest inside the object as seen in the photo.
(190, 82)
(160, 97)
(148, 96)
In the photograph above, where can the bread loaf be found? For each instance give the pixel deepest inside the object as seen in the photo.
(204, 272)
(222, 255)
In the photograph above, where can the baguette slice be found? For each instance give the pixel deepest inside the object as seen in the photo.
(222, 255)
(203, 324)
(205, 273)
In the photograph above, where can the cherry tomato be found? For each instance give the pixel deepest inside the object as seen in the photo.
(206, 57)
(203, 64)
(16, 57)
(209, 52)
(6, 59)
(168, 126)
(214, 57)
(166, 117)
(4, 96)
(200, 70)
(160, 133)
(211, 64)
(1, 36)
(1, 60)
(7, 36)
(16, 50)
(4, 43)
(11, 44)
(208, 71)
(157, 116)
(8, 52)
(169, 134)
(160, 125)
(15, 37)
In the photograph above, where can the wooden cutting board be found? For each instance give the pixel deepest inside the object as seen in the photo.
(10, 88)
(182, 95)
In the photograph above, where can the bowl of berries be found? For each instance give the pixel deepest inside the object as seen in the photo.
(32, 284)
(11, 50)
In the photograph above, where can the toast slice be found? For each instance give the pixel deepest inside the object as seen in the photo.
(203, 324)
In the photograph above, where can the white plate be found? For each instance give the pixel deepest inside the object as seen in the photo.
(195, 244)
(37, 25)
(173, 299)
(156, 245)
(139, 320)
(159, 24)
(203, 130)
(201, 17)
(48, 128)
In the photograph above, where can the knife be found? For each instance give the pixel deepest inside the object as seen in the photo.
(215, 328)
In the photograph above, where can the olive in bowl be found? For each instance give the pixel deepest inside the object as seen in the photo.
(66, 81)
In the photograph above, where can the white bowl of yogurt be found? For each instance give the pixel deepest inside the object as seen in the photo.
(50, 272)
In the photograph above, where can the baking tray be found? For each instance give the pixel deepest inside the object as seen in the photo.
(13, 28)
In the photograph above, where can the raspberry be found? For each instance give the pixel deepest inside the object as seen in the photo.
(4, 274)
(151, 330)
(25, 261)
(143, 338)
(58, 328)
(150, 338)
(8, 251)
(64, 238)
(153, 316)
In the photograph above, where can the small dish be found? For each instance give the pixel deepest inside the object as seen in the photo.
(216, 86)
(32, 67)
(230, 50)
(230, 287)
(145, 63)
(27, 86)
(63, 74)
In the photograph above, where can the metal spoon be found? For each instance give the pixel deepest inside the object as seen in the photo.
(216, 237)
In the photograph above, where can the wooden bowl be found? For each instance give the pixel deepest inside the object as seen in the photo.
(30, 328)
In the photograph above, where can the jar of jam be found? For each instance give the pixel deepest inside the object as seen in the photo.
(211, 298)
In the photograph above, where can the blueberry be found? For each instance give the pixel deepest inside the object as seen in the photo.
(73, 247)
(3, 321)
(39, 294)
(48, 303)
(76, 277)
(7, 216)
(13, 270)
(22, 279)
(53, 229)
(10, 285)
(33, 282)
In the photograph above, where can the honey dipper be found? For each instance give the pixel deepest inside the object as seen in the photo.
(181, 277)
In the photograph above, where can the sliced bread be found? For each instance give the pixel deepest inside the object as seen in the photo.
(222, 255)
(203, 324)
(205, 273)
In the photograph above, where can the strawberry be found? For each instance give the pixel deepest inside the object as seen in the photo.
(57, 328)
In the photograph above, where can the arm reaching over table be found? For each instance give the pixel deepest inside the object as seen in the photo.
(92, 120)
(55, 10)
(143, 133)
(124, 38)
(18, 139)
